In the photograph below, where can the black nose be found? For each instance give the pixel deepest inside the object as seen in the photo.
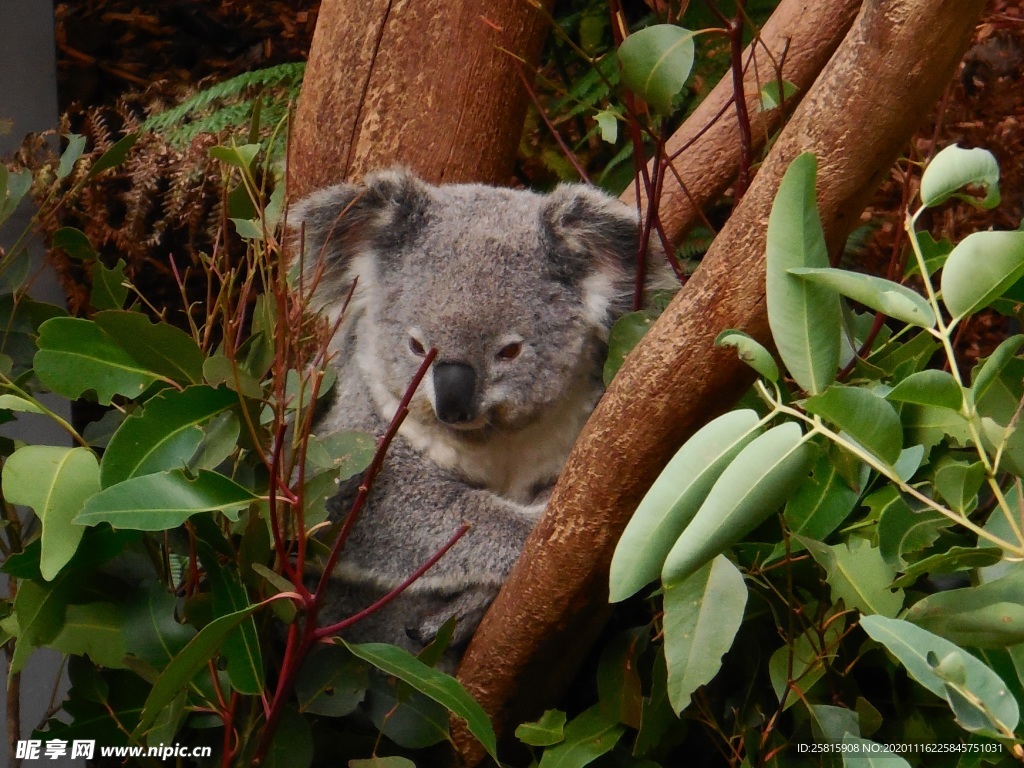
(454, 387)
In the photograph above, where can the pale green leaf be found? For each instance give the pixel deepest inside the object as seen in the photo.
(805, 319)
(656, 62)
(885, 296)
(56, 483)
(756, 483)
(673, 500)
(864, 753)
(703, 613)
(954, 168)
(857, 574)
(751, 352)
(990, 615)
(867, 418)
(931, 387)
(93, 630)
(980, 268)
(913, 646)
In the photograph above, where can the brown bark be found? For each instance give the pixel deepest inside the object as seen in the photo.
(428, 84)
(858, 116)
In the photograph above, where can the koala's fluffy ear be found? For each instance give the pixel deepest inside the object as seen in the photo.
(596, 239)
(340, 223)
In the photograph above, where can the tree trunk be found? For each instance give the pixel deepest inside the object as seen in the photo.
(428, 84)
(859, 115)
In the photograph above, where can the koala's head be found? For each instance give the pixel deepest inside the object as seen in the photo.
(516, 290)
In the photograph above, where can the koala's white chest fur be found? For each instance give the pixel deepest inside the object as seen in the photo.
(515, 464)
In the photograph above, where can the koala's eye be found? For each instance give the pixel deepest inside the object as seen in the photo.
(510, 351)
(416, 347)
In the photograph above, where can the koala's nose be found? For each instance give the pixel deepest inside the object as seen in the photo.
(454, 387)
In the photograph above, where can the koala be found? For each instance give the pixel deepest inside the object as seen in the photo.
(517, 292)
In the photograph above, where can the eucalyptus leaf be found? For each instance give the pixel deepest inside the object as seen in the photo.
(548, 730)
(885, 296)
(674, 499)
(864, 753)
(867, 418)
(805, 318)
(109, 290)
(114, 156)
(990, 615)
(164, 434)
(751, 352)
(164, 349)
(954, 168)
(440, 687)
(163, 500)
(857, 573)
(765, 472)
(656, 62)
(71, 155)
(588, 736)
(913, 646)
(56, 483)
(76, 356)
(931, 387)
(980, 268)
(986, 374)
(703, 613)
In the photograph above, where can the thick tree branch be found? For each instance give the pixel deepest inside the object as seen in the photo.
(861, 111)
(430, 84)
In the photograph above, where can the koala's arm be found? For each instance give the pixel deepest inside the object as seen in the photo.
(413, 510)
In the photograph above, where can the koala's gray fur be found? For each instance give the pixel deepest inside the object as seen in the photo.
(517, 291)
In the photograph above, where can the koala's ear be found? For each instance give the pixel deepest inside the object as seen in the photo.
(340, 223)
(595, 239)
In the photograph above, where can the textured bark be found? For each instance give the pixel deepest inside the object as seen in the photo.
(428, 84)
(859, 115)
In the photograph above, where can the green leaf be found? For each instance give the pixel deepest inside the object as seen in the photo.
(703, 613)
(74, 243)
(902, 530)
(656, 62)
(980, 268)
(819, 506)
(76, 356)
(39, 609)
(9, 402)
(885, 296)
(805, 319)
(867, 418)
(857, 573)
(333, 683)
(997, 710)
(753, 486)
(193, 657)
(392, 761)
(55, 482)
(954, 168)
(151, 629)
(864, 753)
(549, 730)
(587, 737)
(930, 425)
(241, 647)
(674, 499)
(108, 286)
(958, 483)
(238, 156)
(619, 689)
(625, 334)
(71, 155)
(771, 97)
(800, 663)
(162, 348)
(931, 387)
(164, 434)
(985, 375)
(13, 187)
(608, 124)
(751, 352)
(950, 561)
(93, 630)
(989, 615)
(114, 156)
(433, 683)
(164, 500)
